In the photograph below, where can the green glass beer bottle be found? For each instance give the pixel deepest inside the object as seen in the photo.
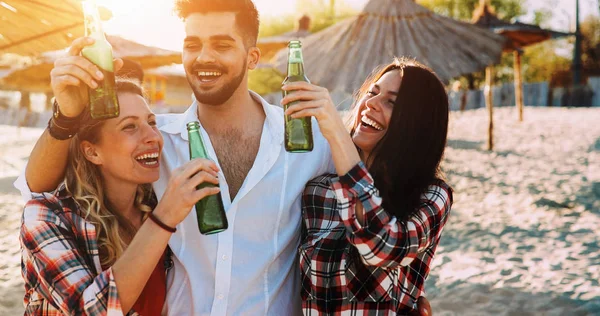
(298, 132)
(209, 210)
(103, 100)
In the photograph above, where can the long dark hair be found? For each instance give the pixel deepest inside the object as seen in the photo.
(407, 159)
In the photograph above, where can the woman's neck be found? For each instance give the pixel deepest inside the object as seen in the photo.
(122, 195)
(364, 157)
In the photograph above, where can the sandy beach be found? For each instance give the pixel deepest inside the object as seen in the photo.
(522, 238)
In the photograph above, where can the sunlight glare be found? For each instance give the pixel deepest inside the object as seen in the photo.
(153, 22)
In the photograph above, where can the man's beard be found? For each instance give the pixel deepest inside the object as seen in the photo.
(221, 95)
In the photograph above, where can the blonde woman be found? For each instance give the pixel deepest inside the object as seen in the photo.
(97, 245)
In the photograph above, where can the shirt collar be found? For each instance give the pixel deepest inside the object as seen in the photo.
(274, 120)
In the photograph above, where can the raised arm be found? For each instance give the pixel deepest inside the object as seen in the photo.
(380, 238)
(71, 77)
(316, 101)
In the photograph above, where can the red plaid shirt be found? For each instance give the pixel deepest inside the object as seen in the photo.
(395, 255)
(60, 261)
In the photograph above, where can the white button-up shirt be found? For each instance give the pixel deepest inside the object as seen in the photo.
(251, 268)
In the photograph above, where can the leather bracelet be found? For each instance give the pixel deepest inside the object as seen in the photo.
(62, 119)
(61, 127)
(59, 132)
(161, 224)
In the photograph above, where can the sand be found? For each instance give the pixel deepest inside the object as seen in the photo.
(521, 239)
(15, 146)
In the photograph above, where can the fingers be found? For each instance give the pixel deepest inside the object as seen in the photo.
(301, 85)
(75, 72)
(82, 63)
(118, 62)
(303, 95)
(194, 166)
(65, 80)
(204, 192)
(200, 178)
(306, 113)
(79, 44)
(304, 105)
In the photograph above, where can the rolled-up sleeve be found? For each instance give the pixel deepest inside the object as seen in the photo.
(382, 240)
(66, 277)
(21, 185)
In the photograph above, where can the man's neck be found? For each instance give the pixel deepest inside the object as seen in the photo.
(240, 112)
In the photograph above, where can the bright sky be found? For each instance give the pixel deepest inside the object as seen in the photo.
(153, 23)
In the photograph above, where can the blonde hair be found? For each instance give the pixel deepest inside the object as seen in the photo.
(84, 182)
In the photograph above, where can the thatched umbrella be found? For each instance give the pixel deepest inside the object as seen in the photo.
(32, 27)
(36, 78)
(343, 55)
(12, 61)
(269, 46)
(518, 35)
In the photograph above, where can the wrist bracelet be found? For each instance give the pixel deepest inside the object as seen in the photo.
(59, 132)
(61, 118)
(161, 224)
(61, 127)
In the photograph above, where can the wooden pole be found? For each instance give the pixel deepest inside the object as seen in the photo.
(49, 100)
(25, 103)
(577, 65)
(489, 102)
(518, 84)
(332, 9)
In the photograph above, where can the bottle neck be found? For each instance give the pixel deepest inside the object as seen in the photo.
(93, 24)
(197, 149)
(295, 63)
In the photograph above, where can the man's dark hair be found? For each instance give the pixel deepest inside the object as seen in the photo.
(247, 18)
(131, 70)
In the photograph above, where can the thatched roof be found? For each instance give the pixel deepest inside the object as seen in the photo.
(169, 71)
(32, 27)
(518, 34)
(269, 46)
(8, 61)
(342, 56)
(36, 77)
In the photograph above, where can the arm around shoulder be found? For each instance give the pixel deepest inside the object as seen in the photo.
(47, 164)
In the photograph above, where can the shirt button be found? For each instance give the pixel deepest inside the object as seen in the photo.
(224, 257)
(220, 296)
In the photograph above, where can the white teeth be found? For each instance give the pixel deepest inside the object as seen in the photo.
(372, 123)
(147, 156)
(209, 73)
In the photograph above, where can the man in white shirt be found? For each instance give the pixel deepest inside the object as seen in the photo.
(251, 268)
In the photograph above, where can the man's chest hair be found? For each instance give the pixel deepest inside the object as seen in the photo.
(236, 152)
